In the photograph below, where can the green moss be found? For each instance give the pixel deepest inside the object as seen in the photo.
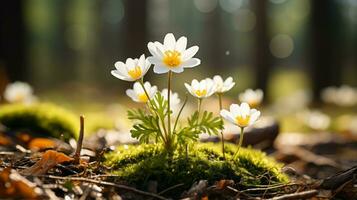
(41, 119)
(136, 165)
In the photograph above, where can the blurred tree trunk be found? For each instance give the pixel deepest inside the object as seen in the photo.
(134, 31)
(12, 40)
(326, 45)
(213, 40)
(262, 57)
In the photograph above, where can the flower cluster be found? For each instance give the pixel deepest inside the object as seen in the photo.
(345, 96)
(19, 92)
(173, 56)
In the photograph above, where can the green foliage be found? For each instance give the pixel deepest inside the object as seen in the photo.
(197, 124)
(151, 126)
(159, 105)
(137, 165)
(42, 119)
(146, 126)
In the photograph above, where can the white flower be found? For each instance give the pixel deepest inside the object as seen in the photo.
(174, 98)
(19, 92)
(172, 55)
(342, 96)
(317, 120)
(137, 94)
(253, 98)
(222, 86)
(202, 89)
(241, 115)
(132, 69)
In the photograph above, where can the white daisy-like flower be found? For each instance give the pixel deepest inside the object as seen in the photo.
(172, 55)
(241, 115)
(341, 96)
(203, 89)
(138, 94)
(19, 92)
(174, 98)
(222, 86)
(253, 97)
(132, 69)
(317, 120)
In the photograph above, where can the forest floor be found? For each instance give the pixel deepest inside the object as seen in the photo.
(320, 165)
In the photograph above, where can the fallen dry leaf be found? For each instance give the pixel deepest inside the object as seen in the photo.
(23, 137)
(224, 183)
(41, 143)
(4, 140)
(49, 159)
(14, 186)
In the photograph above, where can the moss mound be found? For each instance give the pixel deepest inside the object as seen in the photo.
(137, 165)
(41, 119)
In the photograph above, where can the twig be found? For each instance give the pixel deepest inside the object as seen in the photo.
(299, 195)
(77, 155)
(270, 188)
(123, 187)
(171, 188)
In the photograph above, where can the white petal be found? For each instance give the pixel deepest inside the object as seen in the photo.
(138, 88)
(189, 53)
(193, 62)
(228, 87)
(235, 109)
(119, 65)
(217, 79)
(169, 41)
(141, 61)
(177, 69)
(228, 116)
(160, 69)
(146, 66)
(245, 109)
(189, 89)
(154, 60)
(152, 49)
(254, 117)
(228, 81)
(181, 44)
(132, 94)
(130, 63)
(159, 49)
(118, 75)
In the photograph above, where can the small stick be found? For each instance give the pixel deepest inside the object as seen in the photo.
(77, 155)
(298, 195)
(123, 187)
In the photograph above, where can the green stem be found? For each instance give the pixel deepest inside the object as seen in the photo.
(222, 137)
(146, 92)
(153, 111)
(179, 114)
(240, 141)
(199, 103)
(169, 107)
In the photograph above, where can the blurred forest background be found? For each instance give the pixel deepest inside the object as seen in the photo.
(66, 48)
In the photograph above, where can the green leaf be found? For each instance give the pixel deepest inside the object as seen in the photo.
(198, 124)
(146, 126)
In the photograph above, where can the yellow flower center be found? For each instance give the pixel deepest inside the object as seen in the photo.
(19, 97)
(172, 58)
(135, 73)
(143, 98)
(200, 93)
(243, 121)
(253, 103)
